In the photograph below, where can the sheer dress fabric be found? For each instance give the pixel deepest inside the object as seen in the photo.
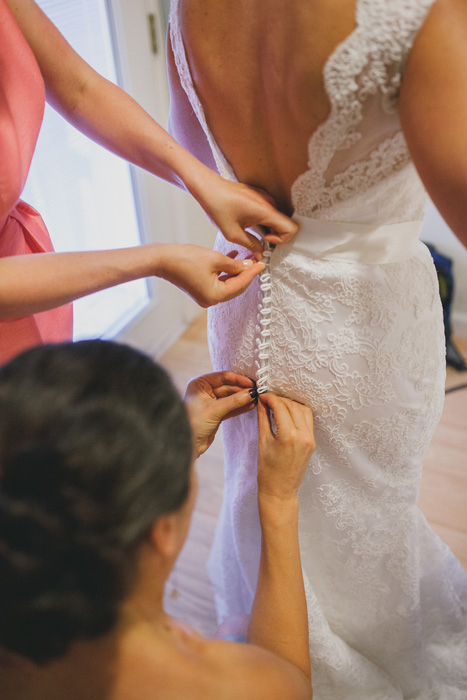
(22, 231)
(347, 319)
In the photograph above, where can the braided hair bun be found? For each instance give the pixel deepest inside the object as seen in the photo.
(94, 446)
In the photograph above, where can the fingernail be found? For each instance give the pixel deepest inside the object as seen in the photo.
(247, 263)
(254, 395)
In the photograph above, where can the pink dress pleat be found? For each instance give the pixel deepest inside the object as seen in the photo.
(22, 230)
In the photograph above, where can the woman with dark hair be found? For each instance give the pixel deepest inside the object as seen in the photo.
(96, 493)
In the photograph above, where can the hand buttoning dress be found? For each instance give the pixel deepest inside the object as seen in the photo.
(347, 319)
(22, 231)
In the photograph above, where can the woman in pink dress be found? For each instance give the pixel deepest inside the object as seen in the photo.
(36, 290)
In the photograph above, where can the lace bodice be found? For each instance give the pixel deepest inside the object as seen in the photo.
(358, 158)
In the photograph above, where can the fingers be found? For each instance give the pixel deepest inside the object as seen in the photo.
(227, 390)
(226, 379)
(297, 413)
(235, 404)
(234, 286)
(253, 244)
(283, 229)
(280, 411)
(239, 236)
(217, 385)
(290, 416)
(279, 240)
(264, 194)
(233, 266)
(302, 418)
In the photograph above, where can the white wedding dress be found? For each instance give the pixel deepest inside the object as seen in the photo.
(347, 319)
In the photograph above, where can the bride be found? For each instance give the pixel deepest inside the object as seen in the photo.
(331, 107)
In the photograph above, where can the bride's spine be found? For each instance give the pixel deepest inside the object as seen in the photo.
(263, 341)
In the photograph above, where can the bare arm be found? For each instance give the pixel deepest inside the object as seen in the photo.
(433, 110)
(33, 283)
(112, 118)
(263, 674)
(279, 617)
(279, 620)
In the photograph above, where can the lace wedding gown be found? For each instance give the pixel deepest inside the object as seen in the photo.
(347, 319)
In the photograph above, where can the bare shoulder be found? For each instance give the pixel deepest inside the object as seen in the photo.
(250, 672)
(445, 18)
(433, 108)
(438, 52)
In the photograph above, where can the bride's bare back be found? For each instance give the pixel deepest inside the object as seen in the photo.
(258, 70)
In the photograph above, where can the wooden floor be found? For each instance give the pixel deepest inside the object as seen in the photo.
(443, 495)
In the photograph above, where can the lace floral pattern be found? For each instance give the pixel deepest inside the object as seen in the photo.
(364, 347)
(366, 66)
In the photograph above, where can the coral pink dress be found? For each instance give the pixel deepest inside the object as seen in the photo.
(22, 231)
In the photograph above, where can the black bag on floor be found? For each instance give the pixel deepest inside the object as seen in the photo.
(443, 267)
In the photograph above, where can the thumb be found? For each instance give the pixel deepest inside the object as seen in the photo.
(282, 224)
(233, 286)
(240, 236)
(233, 266)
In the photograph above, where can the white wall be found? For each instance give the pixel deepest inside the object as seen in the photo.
(165, 10)
(437, 232)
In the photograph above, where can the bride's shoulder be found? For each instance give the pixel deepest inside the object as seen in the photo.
(180, 662)
(398, 19)
(247, 671)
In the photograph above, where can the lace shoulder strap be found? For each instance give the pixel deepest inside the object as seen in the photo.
(364, 73)
(186, 81)
(391, 28)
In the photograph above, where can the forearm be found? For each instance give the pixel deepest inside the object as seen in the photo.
(112, 118)
(33, 283)
(279, 617)
(102, 110)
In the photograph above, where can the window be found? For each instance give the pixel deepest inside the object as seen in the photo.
(90, 199)
(84, 193)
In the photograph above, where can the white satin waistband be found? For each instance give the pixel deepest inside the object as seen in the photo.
(356, 243)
